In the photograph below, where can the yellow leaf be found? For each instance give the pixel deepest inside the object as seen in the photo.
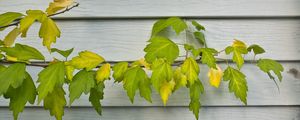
(10, 58)
(86, 59)
(103, 73)
(49, 32)
(69, 71)
(180, 78)
(11, 37)
(215, 76)
(58, 5)
(142, 62)
(27, 21)
(238, 43)
(166, 90)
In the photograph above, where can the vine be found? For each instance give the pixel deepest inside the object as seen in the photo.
(161, 59)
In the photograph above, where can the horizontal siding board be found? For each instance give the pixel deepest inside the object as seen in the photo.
(154, 8)
(125, 39)
(262, 91)
(161, 113)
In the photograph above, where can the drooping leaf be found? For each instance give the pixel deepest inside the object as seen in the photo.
(11, 37)
(23, 52)
(49, 78)
(103, 73)
(237, 83)
(96, 95)
(256, 49)
(119, 71)
(180, 78)
(166, 90)
(55, 102)
(136, 78)
(82, 82)
(190, 69)
(215, 76)
(49, 32)
(27, 21)
(161, 72)
(238, 48)
(12, 76)
(161, 47)
(8, 17)
(268, 65)
(200, 38)
(57, 5)
(208, 57)
(176, 23)
(87, 60)
(197, 25)
(21, 95)
(69, 71)
(64, 53)
(195, 90)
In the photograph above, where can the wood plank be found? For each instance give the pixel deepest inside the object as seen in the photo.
(156, 8)
(125, 39)
(161, 113)
(262, 91)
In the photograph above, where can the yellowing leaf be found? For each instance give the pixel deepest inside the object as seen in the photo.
(166, 90)
(215, 76)
(190, 69)
(58, 5)
(11, 37)
(103, 73)
(49, 32)
(27, 21)
(180, 78)
(69, 71)
(161, 72)
(10, 58)
(87, 60)
(238, 48)
(238, 43)
(142, 62)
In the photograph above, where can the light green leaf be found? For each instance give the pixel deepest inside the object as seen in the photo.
(27, 21)
(176, 23)
(55, 102)
(49, 32)
(136, 78)
(12, 76)
(119, 70)
(188, 47)
(49, 78)
(8, 17)
(96, 95)
(190, 69)
(256, 49)
(197, 25)
(161, 72)
(11, 37)
(200, 38)
(87, 60)
(208, 57)
(23, 52)
(82, 82)
(21, 95)
(237, 83)
(268, 65)
(195, 90)
(238, 48)
(64, 53)
(161, 47)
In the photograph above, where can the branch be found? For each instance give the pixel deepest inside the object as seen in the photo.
(17, 22)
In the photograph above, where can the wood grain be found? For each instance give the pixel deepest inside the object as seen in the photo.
(158, 8)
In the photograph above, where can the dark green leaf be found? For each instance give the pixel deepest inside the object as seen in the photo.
(55, 102)
(198, 26)
(64, 53)
(256, 49)
(268, 65)
(195, 90)
(96, 95)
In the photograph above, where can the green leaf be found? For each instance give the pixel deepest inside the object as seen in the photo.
(238, 48)
(23, 52)
(11, 37)
(55, 102)
(27, 21)
(161, 47)
(256, 49)
(136, 78)
(49, 78)
(188, 47)
(176, 23)
(190, 69)
(12, 76)
(268, 65)
(195, 90)
(21, 95)
(237, 83)
(161, 72)
(82, 82)
(87, 60)
(119, 71)
(8, 17)
(208, 57)
(48, 32)
(64, 53)
(200, 38)
(197, 25)
(96, 95)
